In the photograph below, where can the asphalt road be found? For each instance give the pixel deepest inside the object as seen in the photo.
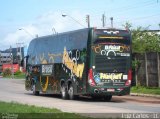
(13, 90)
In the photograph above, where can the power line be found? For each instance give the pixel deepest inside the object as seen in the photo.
(137, 19)
(132, 6)
(141, 18)
(117, 12)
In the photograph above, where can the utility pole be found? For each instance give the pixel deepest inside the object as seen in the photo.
(103, 20)
(111, 22)
(11, 56)
(19, 46)
(20, 52)
(88, 20)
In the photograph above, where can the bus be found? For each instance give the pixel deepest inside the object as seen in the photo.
(89, 62)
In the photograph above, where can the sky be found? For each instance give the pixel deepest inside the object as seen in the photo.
(23, 20)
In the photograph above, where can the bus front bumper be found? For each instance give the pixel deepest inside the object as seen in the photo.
(119, 91)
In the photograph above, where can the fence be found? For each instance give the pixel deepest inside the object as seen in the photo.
(148, 72)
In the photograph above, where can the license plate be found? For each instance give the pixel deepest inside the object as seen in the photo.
(110, 90)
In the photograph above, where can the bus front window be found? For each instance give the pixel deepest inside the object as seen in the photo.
(111, 55)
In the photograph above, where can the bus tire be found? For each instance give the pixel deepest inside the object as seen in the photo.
(70, 92)
(96, 98)
(64, 92)
(34, 90)
(108, 98)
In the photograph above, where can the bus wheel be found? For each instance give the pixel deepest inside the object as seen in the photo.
(70, 92)
(34, 90)
(96, 98)
(64, 92)
(108, 98)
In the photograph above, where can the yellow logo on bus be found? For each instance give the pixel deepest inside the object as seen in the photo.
(111, 76)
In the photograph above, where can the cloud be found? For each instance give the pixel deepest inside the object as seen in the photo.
(22, 36)
(44, 25)
(61, 24)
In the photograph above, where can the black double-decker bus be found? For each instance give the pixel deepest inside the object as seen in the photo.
(91, 61)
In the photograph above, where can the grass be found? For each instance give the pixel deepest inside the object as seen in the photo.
(19, 76)
(145, 90)
(26, 111)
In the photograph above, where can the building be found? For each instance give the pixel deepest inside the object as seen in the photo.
(11, 55)
(5, 58)
(153, 31)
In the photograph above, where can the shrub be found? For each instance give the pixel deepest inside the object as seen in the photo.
(7, 72)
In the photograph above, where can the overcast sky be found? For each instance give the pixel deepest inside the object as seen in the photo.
(42, 16)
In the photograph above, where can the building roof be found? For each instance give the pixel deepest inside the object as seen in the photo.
(4, 54)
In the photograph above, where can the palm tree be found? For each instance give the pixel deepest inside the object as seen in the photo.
(127, 25)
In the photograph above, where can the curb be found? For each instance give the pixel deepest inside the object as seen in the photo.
(145, 95)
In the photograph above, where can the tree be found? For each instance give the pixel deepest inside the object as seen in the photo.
(127, 25)
(145, 41)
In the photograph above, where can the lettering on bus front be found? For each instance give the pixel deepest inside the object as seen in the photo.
(112, 47)
(47, 69)
(111, 76)
(117, 50)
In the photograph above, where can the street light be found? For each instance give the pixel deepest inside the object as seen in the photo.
(64, 15)
(26, 32)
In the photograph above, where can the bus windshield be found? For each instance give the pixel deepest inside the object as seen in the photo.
(111, 47)
(125, 40)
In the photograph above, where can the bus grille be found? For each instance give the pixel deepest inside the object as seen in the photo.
(116, 64)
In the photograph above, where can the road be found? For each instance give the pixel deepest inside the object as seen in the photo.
(13, 90)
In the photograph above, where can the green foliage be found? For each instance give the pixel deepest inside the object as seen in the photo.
(7, 72)
(135, 64)
(144, 41)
